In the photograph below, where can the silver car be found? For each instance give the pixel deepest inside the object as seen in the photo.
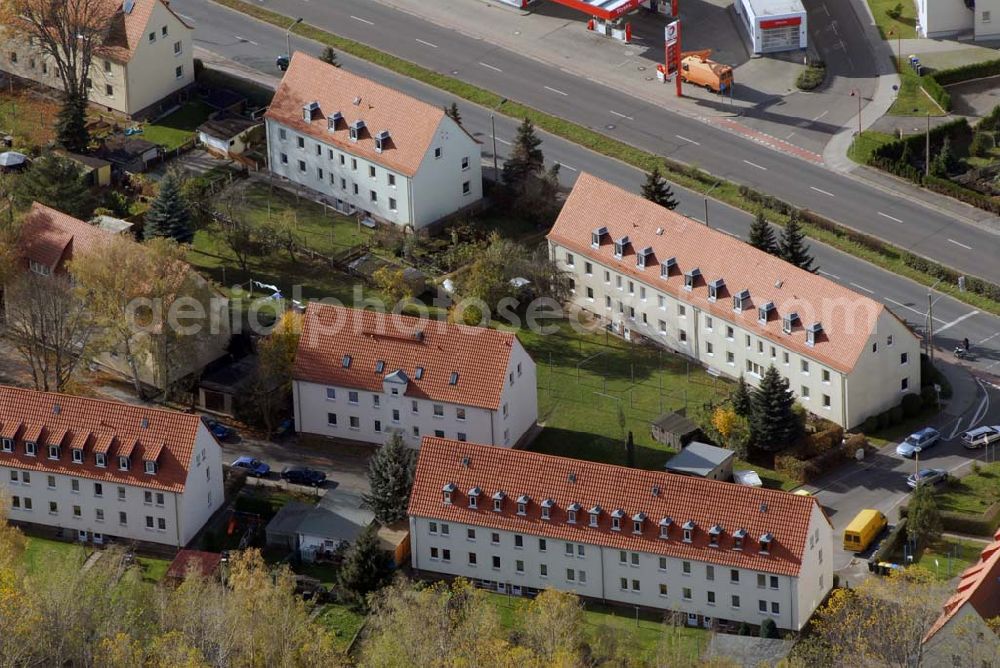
(980, 436)
(926, 477)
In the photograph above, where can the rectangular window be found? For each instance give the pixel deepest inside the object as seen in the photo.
(774, 582)
(355, 422)
(496, 563)
(472, 558)
(54, 509)
(179, 72)
(826, 401)
(542, 545)
(466, 188)
(161, 524)
(51, 480)
(686, 593)
(438, 410)
(804, 393)
(98, 490)
(804, 364)
(331, 419)
(775, 608)
(734, 601)
(710, 597)
(904, 385)
(392, 204)
(686, 567)
(709, 572)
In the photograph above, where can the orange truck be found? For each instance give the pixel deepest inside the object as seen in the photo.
(697, 69)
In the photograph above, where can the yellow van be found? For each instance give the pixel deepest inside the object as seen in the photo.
(863, 529)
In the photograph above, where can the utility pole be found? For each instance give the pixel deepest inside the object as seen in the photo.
(927, 147)
(493, 127)
(288, 38)
(930, 328)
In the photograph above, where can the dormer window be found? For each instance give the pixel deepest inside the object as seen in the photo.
(813, 332)
(447, 491)
(637, 522)
(123, 463)
(666, 266)
(571, 511)
(474, 497)
(30, 448)
(765, 543)
(382, 141)
(713, 535)
(616, 520)
(715, 288)
(764, 312)
(547, 509)
(691, 277)
(688, 528)
(620, 246)
(643, 256)
(150, 467)
(595, 515)
(664, 525)
(741, 300)
(77, 455)
(738, 537)
(597, 235)
(498, 501)
(788, 322)
(100, 459)
(308, 111)
(356, 129)
(333, 120)
(53, 452)
(522, 504)
(7, 444)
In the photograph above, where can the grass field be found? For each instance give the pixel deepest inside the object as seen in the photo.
(973, 493)
(28, 119)
(342, 621)
(911, 99)
(952, 556)
(904, 26)
(153, 569)
(865, 144)
(40, 552)
(173, 130)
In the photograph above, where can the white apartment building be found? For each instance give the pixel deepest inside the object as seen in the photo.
(144, 64)
(647, 271)
(368, 148)
(362, 375)
(519, 522)
(958, 18)
(96, 470)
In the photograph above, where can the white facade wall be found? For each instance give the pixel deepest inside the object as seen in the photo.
(449, 181)
(939, 18)
(729, 347)
(153, 71)
(691, 586)
(520, 396)
(788, 19)
(176, 518)
(987, 20)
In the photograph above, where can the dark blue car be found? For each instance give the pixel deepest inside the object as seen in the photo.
(254, 467)
(301, 475)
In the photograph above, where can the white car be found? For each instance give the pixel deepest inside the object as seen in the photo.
(980, 436)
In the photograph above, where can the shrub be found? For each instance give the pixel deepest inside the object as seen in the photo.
(870, 425)
(928, 397)
(853, 442)
(884, 420)
(792, 467)
(981, 145)
(896, 415)
(892, 542)
(983, 524)
(895, 12)
(836, 580)
(768, 629)
(811, 78)
(911, 404)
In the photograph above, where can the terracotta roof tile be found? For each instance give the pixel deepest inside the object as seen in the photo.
(614, 488)
(979, 586)
(128, 30)
(10, 427)
(50, 237)
(847, 318)
(107, 421)
(332, 334)
(411, 123)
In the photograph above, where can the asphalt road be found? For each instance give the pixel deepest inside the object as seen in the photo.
(906, 223)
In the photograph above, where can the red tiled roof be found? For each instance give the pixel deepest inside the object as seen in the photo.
(50, 237)
(979, 586)
(205, 563)
(127, 31)
(477, 354)
(659, 495)
(411, 123)
(848, 318)
(101, 421)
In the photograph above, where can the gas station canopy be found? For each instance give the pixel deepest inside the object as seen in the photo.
(604, 9)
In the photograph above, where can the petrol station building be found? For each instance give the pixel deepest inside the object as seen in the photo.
(773, 25)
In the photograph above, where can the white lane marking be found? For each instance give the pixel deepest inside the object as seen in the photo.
(503, 141)
(620, 115)
(991, 336)
(754, 164)
(790, 135)
(983, 408)
(244, 39)
(954, 322)
(885, 215)
(690, 141)
(922, 314)
(819, 190)
(820, 116)
(861, 287)
(488, 66)
(433, 46)
(563, 164)
(960, 244)
(555, 90)
(833, 276)
(358, 18)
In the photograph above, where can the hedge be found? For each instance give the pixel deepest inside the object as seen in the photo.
(936, 92)
(983, 524)
(955, 75)
(962, 194)
(892, 542)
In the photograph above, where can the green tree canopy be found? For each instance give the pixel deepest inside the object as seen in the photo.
(762, 236)
(55, 182)
(793, 248)
(169, 215)
(657, 189)
(390, 476)
(365, 568)
(773, 423)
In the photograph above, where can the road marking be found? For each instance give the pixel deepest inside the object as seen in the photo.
(487, 65)
(690, 141)
(358, 18)
(819, 190)
(503, 141)
(555, 90)
(753, 164)
(885, 215)
(620, 115)
(563, 164)
(960, 244)
(954, 322)
(186, 18)
(433, 46)
(991, 336)
(244, 39)
(861, 287)
(922, 314)
(821, 116)
(833, 276)
(790, 135)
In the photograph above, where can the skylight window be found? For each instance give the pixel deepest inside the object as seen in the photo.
(454, 378)
(379, 366)
(419, 373)
(346, 361)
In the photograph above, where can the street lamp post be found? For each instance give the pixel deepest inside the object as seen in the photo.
(493, 128)
(857, 93)
(930, 322)
(288, 37)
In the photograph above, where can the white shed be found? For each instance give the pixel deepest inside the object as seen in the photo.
(773, 25)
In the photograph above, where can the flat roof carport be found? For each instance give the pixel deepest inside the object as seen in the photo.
(605, 9)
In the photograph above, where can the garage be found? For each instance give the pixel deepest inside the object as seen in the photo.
(773, 25)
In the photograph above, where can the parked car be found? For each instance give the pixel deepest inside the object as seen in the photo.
(300, 475)
(980, 436)
(254, 467)
(918, 441)
(219, 430)
(926, 477)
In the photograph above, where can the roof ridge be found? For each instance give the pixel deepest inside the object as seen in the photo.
(109, 402)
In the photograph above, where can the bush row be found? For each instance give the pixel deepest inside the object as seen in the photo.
(983, 524)
(893, 542)
(807, 470)
(955, 75)
(962, 194)
(958, 130)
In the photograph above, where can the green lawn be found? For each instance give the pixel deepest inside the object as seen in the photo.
(342, 621)
(952, 556)
(645, 634)
(911, 99)
(973, 493)
(173, 130)
(904, 26)
(865, 144)
(40, 552)
(153, 569)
